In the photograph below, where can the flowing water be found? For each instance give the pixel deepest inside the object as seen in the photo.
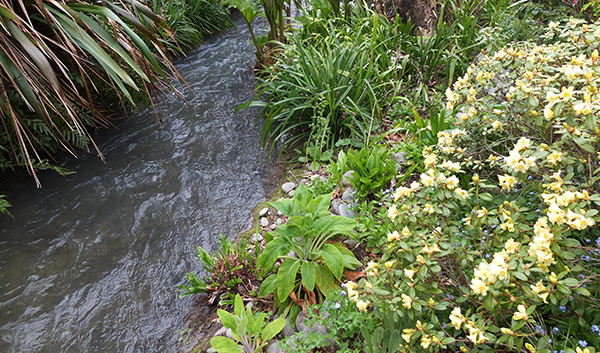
(91, 261)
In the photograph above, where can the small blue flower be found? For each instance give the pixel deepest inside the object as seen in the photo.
(588, 240)
(343, 292)
(583, 343)
(555, 330)
(598, 241)
(595, 329)
(562, 308)
(337, 305)
(494, 227)
(487, 256)
(539, 329)
(444, 325)
(550, 340)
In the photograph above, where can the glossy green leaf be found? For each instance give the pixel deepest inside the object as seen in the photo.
(224, 345)
(308, 272)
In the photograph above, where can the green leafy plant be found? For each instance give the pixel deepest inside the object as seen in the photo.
(228, 266)
(312, 263)
(4, 205)
(329, 86)
(247, 328)
(373, 170)
(57, 58)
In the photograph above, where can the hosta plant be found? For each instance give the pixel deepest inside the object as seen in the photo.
(312, 262)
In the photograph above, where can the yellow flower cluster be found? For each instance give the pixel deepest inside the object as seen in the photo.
(515, 161)
(539, 247)
(488, 273)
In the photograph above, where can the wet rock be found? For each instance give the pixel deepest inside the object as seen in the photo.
(349, 195)
(350, 243)
(345, 180)
(335, 206)
(287, 187)
(263, 212)
(291, 193)
(211, 350)
(274, 347)
(264, 222)
(345, 211)
(301, 325)
(287, 329)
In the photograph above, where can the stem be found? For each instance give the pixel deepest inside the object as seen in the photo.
(260, 53)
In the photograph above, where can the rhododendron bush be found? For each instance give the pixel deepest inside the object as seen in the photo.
(496, 246)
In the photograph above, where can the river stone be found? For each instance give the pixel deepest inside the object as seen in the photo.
(256, 237)
(211, 350)
(274, 347)
(221, 332)
(345, 180)
(229, 335)
(287, 187)
(263, 212)
(316, 327)
(287, 329)
(279, 221)
(349, 195)
(345, 211)
(264, 222)
(335, 206)
(350, 243)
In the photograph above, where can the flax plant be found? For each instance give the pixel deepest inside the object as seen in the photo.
(57, 57)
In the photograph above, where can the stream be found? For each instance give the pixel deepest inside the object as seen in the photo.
(91, 261)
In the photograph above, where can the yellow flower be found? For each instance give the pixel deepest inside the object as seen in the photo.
(554, 157)
(410, 273)
(522, 144)
(427, 179)
(368, 285)
(511, 246)
(521, 313)
(476, 335)
(579, 350)
(407, 334)
(463, 193)
(496, 125)
(548, 113)
(426, 341)
(430, 249)
(507, 331)
(362, 305)
(482, 212)
(457, 318)
(479, 287)
(406, 301)
(578, 221)
(584, 108)
(566, 93)
(507, 181)
(393, 213)
(553, 278)
(421, 259)
(389, 264)
(406, 232)
(530, 347)
(519, 163)
(452, 182)
(394, 236)
(428, 209)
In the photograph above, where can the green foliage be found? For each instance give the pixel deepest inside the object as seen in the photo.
(56, 59)
(247, 328)
(317, 263)
(329, 85)
(495, 247)
(373, 170)
(4, 205)
(191, 20)
(227, 266)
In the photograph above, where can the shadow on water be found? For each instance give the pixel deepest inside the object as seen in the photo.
(91, 261)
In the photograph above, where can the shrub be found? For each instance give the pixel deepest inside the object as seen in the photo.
(501, 253)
